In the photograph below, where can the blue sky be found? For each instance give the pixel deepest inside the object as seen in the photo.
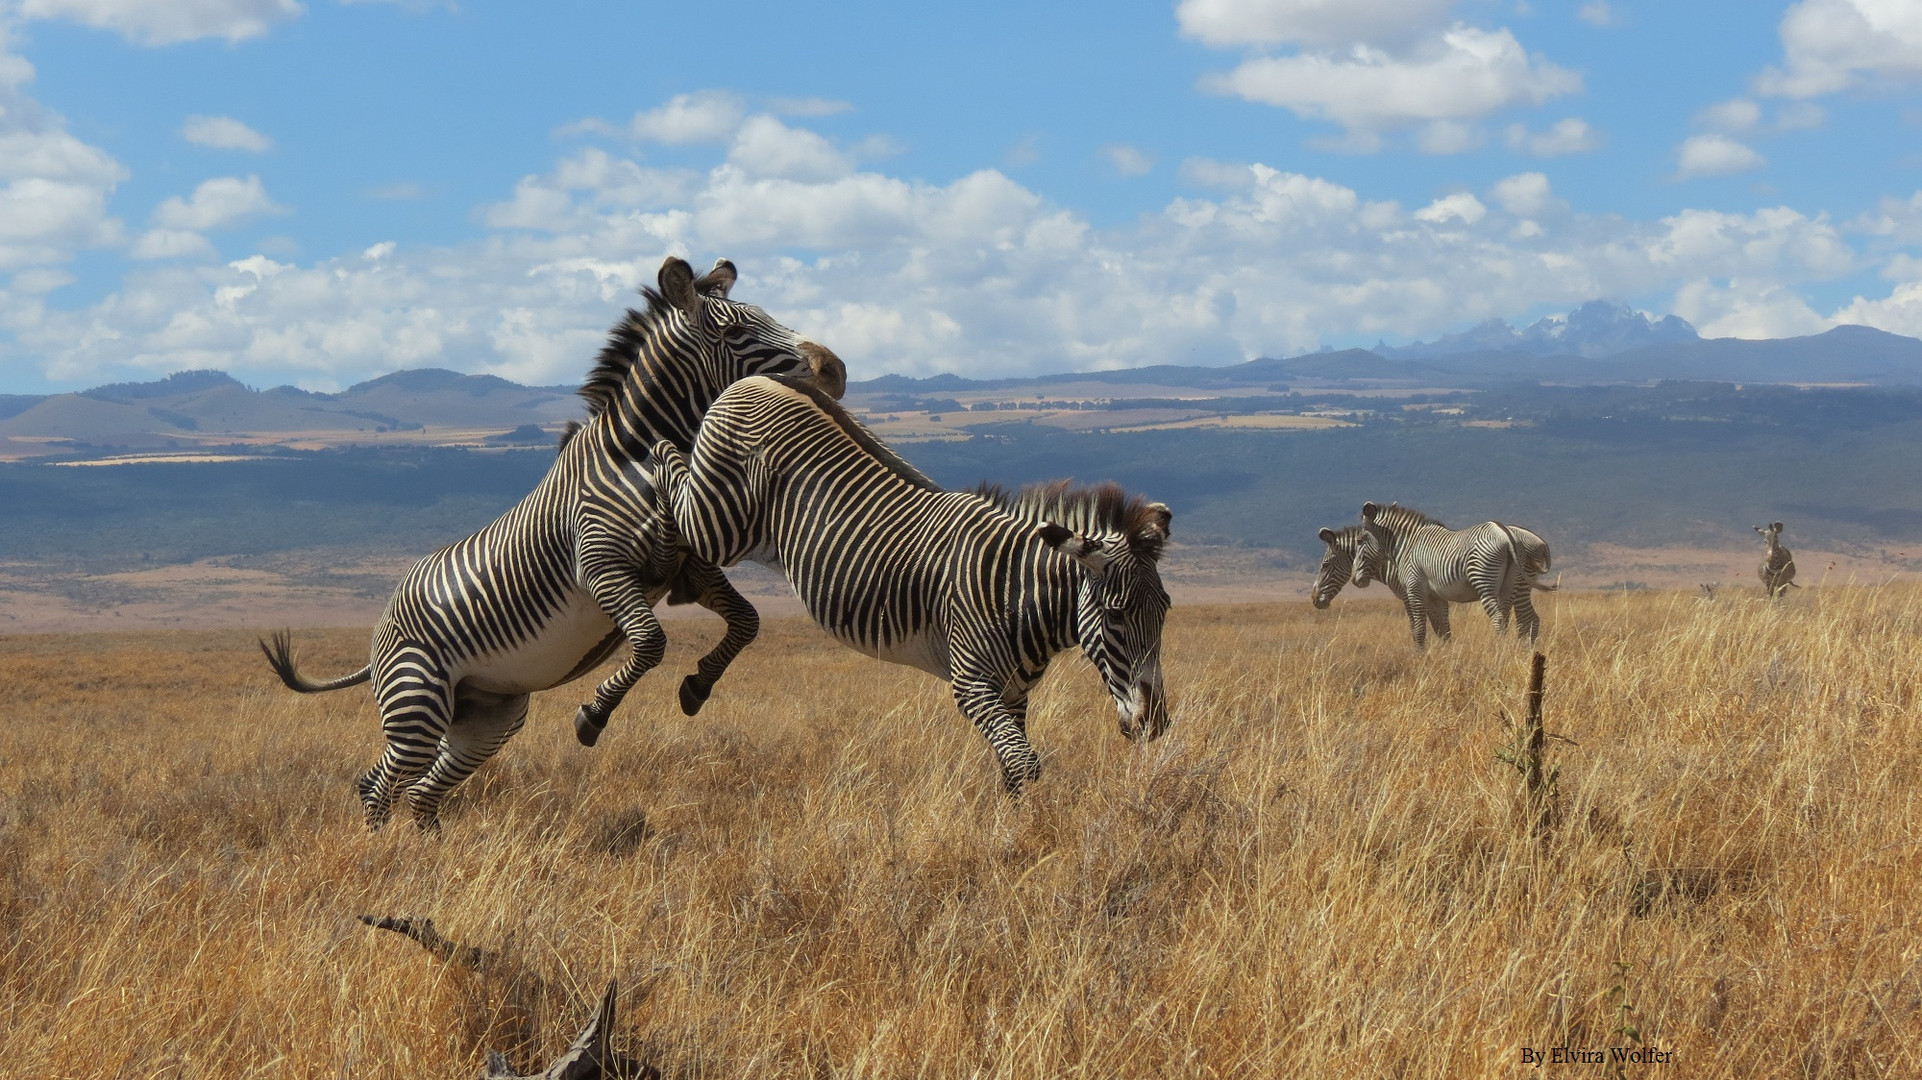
(321, 192)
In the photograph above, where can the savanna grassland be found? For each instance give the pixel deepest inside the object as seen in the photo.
(1322, 870)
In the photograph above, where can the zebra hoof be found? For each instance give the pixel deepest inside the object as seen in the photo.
(588, 725)
(694, 694)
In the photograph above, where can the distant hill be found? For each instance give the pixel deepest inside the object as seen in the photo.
(196, 404)
(1605, 345)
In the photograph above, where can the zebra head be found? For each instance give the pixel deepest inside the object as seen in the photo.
(751, 341)
(1121, 607)
(1371, 548)
(1337, 564)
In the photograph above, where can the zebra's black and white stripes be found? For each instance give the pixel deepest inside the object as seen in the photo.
(553, 587)
(980, 589)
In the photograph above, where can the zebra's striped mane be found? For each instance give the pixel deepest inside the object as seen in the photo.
(1398, 518)
(857, 432)
(1102, 508)
(620, 358)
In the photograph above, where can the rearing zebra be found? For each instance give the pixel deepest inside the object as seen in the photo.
(555, 585)
(978, 589)
(1431, 565)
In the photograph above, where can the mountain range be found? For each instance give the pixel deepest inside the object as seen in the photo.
(1596, 344)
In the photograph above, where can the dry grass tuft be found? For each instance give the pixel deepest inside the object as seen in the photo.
(1319, 871)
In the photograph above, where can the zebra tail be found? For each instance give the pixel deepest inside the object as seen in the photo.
(280, 654)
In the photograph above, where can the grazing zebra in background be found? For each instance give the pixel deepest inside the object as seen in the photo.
(1778, 566)
(979, 589)
(1431, 566)
(1338, 561)
(555, 585)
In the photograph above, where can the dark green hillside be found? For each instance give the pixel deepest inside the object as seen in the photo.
(1634, 482)
(357, 502)
(1694, 464)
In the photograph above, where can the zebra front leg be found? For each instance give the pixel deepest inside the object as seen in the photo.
(1411, 603)
(1004, 727)
(617, 589)
(718, 595)
(482, 723)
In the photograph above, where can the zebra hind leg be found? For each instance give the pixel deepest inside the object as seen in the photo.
(1528, 623)
(482, 723)
(415, 712)
(704, 582)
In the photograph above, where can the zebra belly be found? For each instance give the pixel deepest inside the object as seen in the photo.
(918, 651)
(1460, 592)
(924, 649)
(563, 647)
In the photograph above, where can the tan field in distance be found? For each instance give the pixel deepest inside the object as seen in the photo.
(1320, 871)
(331, 588)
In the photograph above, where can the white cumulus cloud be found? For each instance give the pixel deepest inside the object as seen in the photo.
(1570, 135)
(1734, 116)
(1460, 206)
(1238, 23)
(170, 244)
(216, 204)
(1524, 194)
(1463, 73)
(979, 275)
(1128, 160)
(224, 133)
(706, 116)
(1714, 155)
(167, 22)
(766, 147)
(1831, 45)
(1596, 13)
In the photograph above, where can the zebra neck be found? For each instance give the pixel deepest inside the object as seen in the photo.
(1058, 600)
(663, 399)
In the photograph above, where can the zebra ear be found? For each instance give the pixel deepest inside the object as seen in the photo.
(1153, 530)
(1368, 511)
(1075, 546)
(1775, 526)
(1326, 536)
(676, 280)
(830, 374)
(718, 281)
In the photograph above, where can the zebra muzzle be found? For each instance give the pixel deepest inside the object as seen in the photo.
(1144, 712)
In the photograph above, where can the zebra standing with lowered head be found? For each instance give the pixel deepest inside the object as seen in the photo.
(1431, 566)
(554, 586)
(1338, 561)
(980, 589)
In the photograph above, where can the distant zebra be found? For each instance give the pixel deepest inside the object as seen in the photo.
(1338, 561)
(1778, 565)
(979, 589)
(1431, 566)
(554, 586)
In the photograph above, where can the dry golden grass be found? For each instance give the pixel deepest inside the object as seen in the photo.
(1318, 872)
